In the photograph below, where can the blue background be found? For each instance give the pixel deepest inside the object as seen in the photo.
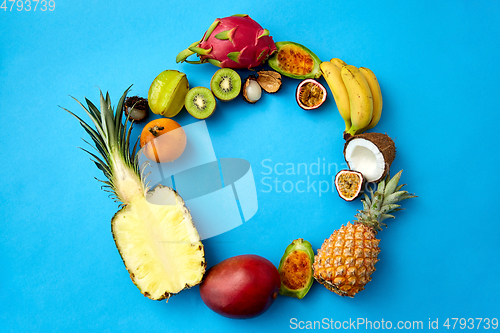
(438, 65)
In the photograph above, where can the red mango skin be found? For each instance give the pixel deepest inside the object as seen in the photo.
(241, 287)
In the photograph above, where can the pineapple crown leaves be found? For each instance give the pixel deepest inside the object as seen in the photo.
(379, 205)
(110, 136)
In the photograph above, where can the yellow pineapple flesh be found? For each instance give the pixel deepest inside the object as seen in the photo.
(345, 262)
(159, 244)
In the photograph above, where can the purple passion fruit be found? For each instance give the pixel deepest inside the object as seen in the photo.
(310, 94)
(296, 61)
(349, 184)
(296, 269)
(241, 287)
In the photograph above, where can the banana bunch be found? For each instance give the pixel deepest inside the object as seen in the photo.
(357, 94)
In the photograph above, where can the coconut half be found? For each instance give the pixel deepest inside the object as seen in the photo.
(371, 154)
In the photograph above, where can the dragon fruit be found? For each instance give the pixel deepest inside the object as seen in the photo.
(235, 42)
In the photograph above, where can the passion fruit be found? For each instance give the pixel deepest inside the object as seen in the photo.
(349, 184)
(310, 94)
(296, 269)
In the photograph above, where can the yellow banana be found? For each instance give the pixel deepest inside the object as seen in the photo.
(360, 98)
(338, 62)
(376, 94)
(339, 92)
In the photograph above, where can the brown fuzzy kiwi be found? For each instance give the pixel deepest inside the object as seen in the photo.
(384, 144)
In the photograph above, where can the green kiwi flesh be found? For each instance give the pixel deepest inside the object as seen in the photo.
(200, 102)
(226, 84)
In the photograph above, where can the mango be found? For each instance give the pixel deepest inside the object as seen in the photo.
(241, 287)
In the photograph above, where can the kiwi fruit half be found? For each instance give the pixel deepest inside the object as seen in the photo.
(226, 84)
(200, 102)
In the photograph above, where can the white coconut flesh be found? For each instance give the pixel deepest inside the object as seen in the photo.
(364, 156)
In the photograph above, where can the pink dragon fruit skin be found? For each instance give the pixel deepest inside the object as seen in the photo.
(235, 42)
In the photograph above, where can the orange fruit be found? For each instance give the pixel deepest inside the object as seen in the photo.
(163, 140)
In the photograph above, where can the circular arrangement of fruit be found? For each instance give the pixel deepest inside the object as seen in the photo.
(246, 285)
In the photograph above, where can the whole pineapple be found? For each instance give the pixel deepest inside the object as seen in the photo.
(346, 260)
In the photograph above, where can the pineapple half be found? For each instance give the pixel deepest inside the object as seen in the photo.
(346, 260)
(153, 231)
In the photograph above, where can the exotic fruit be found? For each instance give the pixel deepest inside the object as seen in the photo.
(371, 154)
(241, 287)
(346, 260)
(310, 94)
(357, 94)
(167, 92)
(296, 61)
(252, 91)
(163, 140)
(225, 84)
(235, 42)
(349, 184)
(153, 230)
(296, 269)
(270, 81)
(136, 108)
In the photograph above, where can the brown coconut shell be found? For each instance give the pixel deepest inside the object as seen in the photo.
(384, 144)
